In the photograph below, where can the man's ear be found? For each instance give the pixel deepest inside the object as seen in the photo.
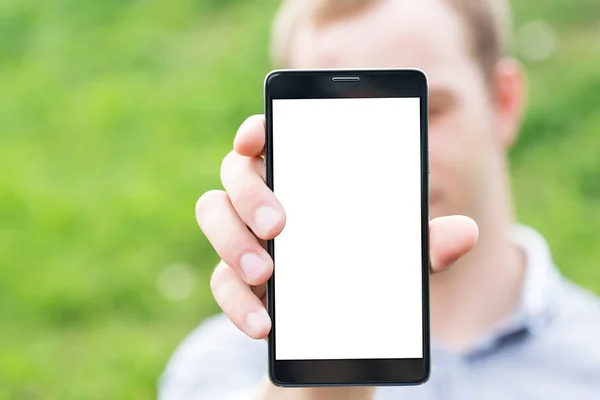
(510, 92)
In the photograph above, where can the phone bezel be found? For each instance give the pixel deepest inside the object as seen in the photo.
(372, 83)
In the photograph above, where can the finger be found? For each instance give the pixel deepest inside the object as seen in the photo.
(449, 239)
(239, 303)
(252, 199)
(231, 239)
(250, 138)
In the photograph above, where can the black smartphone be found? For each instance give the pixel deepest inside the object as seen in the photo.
(346, 154)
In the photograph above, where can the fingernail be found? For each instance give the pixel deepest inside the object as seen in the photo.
(252, 266)
(257, 323)
(266, 218)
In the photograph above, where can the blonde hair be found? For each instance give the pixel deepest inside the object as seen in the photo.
(487, 23)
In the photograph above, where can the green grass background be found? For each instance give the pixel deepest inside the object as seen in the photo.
(114, 116)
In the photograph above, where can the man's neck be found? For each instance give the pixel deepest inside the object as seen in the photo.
(482, 289)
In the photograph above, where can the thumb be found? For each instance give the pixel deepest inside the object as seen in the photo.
(450, 238)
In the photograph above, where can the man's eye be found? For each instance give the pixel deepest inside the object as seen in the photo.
(441, 102)
(435, 110)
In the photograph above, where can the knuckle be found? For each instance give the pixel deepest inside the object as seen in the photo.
(250, 197)
(218, 278)
(258, 163)
(230, 166)
(244, 184)
(225, 290)
(210, 200)
(254, 122)
(227, 159)
(231, 246)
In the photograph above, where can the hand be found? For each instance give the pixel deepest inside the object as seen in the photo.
(238, 282)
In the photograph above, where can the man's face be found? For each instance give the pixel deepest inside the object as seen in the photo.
(428, 35)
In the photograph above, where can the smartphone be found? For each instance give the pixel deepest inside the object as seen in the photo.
(346, 154)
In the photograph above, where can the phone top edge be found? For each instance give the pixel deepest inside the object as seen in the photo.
(414, 74)
(286, 70)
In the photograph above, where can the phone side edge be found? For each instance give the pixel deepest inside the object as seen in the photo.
(268, 161)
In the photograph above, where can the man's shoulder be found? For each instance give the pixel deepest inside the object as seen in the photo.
(211, 355)
(217, 342)
(577, 319)
(578, 304)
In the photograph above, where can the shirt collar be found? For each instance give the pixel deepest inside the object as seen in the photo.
(536, 304)
(541, 277)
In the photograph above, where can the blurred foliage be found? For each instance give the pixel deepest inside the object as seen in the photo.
(114, 116)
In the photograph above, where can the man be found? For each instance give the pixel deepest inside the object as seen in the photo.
(505, 324)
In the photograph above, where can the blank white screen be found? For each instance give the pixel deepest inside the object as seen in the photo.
(348, 281)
